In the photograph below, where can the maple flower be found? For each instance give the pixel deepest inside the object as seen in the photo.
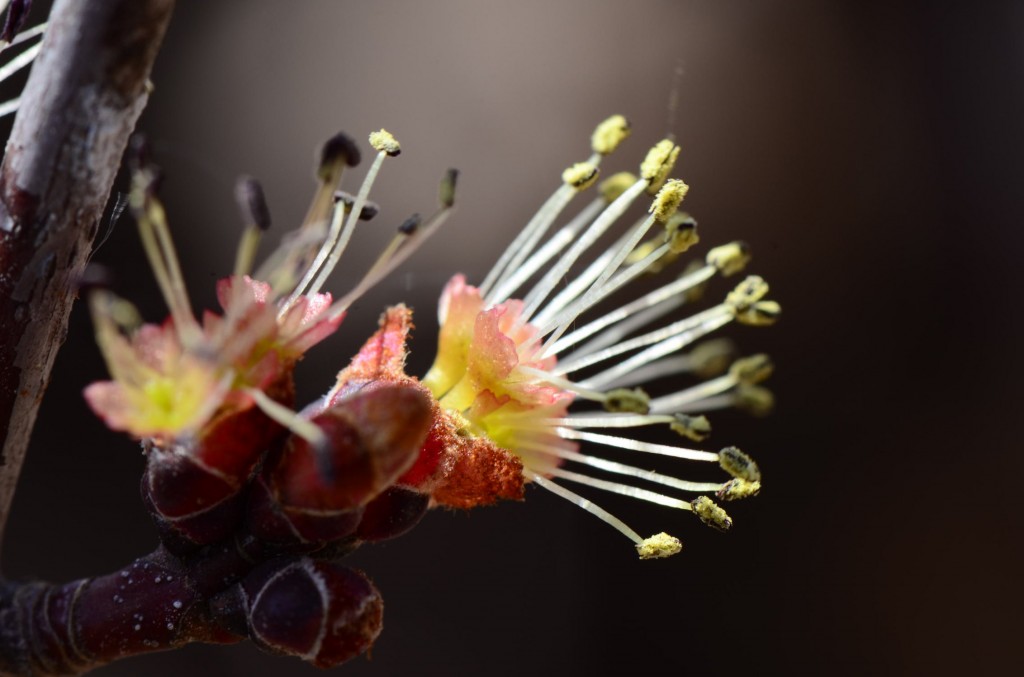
(171, 380)
(511, 371)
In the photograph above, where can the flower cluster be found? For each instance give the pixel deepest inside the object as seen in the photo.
(171, 380)
(536, 367)
(509, 368)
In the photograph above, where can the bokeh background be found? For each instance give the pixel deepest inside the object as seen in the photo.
(871, 153)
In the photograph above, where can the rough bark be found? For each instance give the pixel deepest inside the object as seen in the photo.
(83, 98)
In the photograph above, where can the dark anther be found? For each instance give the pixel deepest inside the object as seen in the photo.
(370, 209)
(410, 225)
(338, 146)
(448, 187)
(252, 203)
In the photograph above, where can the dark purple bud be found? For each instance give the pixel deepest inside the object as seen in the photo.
(17, 14)
(252, 203)
(392, 514)
(290, 526)
(319, 611)
(374, 436)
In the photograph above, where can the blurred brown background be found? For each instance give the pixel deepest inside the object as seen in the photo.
(871, 153)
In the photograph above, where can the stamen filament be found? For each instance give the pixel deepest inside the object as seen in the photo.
(246, 254)
(564, 384)
(555, 244)
(661, 349)
(585, 504)
(656, 299)
(574, 363)
(622, 489)
(611, 213)
(379, 272)
(19, 62)
(576, 286)
(630, 471)
(603, 420)
(597, 294)
(26, 35)
(337, 242)
(698, 393)
(159, 250)
(10, 106)
(297, 425)
(637, 445)
(527, 239)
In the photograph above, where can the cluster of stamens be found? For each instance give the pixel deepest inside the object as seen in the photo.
(561, 357)
(170, 380)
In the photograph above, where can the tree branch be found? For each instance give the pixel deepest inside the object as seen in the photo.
(83, 98)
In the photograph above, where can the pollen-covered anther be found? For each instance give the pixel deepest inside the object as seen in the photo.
(738, 464)
(737, 489)
(712, 358)
(581, 175)
(752, 369)
(668, 199)
(730, 258)
(710, 513)
(609, 134)
(615, 185)
(384, 142)
(658, 164)
(659, 546)
(760, 314)
(754, 399)
(747, 293)
(696, 428)
(681, 233)
(627, 400)
(370, 209)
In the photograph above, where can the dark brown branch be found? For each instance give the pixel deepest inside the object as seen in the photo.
(86, 91)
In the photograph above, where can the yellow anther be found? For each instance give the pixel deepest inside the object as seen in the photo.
(581, 175)
(760, 314)
(658, 546)
(710, 513)
(711, 358)
(754, 399)
(658, 164)
(609, 134)
(615, 185)
(633, 401)
(752, 369)
(384, 142)
(729, 258)
(737, 489)
(747, 293)
(681, 232)
(696, 428)
(738, 464)
(668, 199)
